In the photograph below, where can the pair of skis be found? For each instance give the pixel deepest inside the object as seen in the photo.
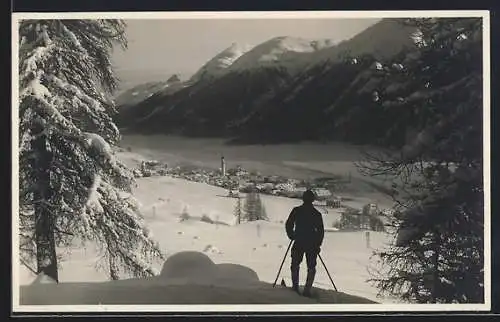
(312, 294)
(283, 261)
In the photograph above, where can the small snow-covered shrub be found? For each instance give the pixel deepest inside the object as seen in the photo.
(206, 219)
(184, 216)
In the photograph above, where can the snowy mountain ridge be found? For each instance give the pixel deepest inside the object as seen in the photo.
(220, 62)
(277, 75)
(144, 91)
(279, 49)
(283, 49)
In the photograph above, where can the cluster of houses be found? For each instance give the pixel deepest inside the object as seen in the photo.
(239, 180)
(370, 217)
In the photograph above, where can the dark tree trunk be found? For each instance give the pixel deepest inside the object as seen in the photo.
(239, 210)
(435, 264)
(44, 218)
(113, 270)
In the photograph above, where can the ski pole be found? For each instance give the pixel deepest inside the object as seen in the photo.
(327, 272)
(282, 262)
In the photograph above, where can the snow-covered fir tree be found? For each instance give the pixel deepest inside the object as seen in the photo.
(438, 254)
(238, 211)
(254, 208)
(72, 188)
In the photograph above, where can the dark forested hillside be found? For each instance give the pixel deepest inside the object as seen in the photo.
(352, 98)
(319, 95)
(207, 108)
(298, 111)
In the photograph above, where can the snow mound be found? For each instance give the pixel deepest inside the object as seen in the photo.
(198, 267)
(189, 264)
(186, 278)
(236, 272)
(42, 278)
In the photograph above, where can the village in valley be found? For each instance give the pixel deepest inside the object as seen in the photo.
(239, 182)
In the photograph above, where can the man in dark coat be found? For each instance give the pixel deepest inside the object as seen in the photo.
(305, 227)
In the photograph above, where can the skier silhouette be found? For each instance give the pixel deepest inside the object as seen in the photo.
(305, 227)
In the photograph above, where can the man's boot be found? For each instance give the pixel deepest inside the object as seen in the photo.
(295, 278)
(309, 282)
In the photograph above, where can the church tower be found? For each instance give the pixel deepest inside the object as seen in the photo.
(223, 166)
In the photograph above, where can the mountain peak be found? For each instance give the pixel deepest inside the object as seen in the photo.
(382, 40)
(220, 62)
(173, 79)
(279, 48)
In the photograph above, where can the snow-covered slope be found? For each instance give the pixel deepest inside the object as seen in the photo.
(186, 278)
(382, 40)
(139, 93)
(282, 50)
(219, 64)
(260, 248)
(143, 91)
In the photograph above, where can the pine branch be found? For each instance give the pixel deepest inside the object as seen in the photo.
(65, 70)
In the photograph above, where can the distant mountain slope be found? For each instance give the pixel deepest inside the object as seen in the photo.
(206, 108)
(283, 89)
(134, 76)
(139, 93)
(297, 112)
(220, 63)
(279, 51)
(382, 40)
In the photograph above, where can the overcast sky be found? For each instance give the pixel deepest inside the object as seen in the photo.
(183, 46)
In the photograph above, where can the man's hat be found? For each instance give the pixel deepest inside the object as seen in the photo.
(308, 196)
